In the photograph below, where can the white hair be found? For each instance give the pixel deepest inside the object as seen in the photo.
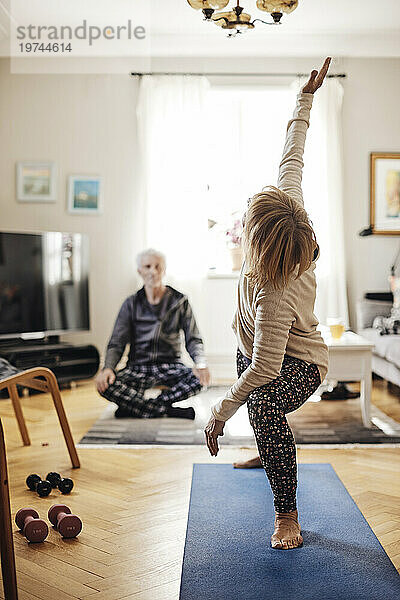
(150, 252)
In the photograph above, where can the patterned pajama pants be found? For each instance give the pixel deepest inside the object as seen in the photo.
(267, 406)
(130, 384)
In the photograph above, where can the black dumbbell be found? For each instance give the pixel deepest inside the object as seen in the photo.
(34, 483)
(53, 478)
(33, 528)
(68, 525)
(65, 485)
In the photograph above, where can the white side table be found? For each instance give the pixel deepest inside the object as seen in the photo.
(350, 360)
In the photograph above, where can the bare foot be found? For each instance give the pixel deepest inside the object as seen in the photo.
(253, 463)
(287, 532)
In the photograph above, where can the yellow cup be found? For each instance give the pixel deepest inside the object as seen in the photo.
(336, 327)
(337, 331)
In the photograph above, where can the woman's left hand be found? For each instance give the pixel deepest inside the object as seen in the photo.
(212, 430)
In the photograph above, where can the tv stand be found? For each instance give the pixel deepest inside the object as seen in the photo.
(26, 342)
(68, 362)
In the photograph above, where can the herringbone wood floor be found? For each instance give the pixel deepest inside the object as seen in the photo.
(134, 503)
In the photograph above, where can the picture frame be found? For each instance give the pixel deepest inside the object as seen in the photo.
(85, 194)
(385, 193)
(36, 181)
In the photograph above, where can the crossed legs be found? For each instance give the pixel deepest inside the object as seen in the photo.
(129, 387)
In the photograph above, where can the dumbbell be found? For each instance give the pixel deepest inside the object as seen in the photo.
(65, 485)
(33, 528)
(67, 524)
(35, 483)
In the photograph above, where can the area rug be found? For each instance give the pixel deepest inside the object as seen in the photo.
(228, 554)
(316, 422)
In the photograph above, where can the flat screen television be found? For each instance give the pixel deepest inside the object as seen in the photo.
(44, 281)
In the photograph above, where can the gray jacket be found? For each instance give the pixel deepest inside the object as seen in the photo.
(153, 332)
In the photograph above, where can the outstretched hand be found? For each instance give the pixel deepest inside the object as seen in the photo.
(316, 79)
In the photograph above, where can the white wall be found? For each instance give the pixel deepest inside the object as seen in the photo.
(371, 123)
(87, 125)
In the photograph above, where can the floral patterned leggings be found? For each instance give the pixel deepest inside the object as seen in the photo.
(267, 406)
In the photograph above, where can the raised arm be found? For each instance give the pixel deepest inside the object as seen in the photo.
(291, 166)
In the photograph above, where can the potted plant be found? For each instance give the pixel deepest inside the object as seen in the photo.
(234, 235)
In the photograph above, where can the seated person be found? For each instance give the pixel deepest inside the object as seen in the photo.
(151, 321)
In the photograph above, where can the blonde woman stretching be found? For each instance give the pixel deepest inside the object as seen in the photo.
(281, 357)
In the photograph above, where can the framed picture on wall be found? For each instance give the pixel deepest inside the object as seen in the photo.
(385, 193)
(85, 194)
(36, 181)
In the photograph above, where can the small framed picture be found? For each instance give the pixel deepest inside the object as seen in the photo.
(85, 194)
(36, 181)
(385, 193)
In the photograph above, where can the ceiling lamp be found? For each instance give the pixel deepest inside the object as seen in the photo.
(208, 6)
(237, 21)
(276, 7)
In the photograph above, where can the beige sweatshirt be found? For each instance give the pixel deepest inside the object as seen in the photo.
(271, 323)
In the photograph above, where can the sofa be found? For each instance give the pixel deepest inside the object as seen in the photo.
(386, 354)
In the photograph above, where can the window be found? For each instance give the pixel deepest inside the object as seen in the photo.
(247, 130)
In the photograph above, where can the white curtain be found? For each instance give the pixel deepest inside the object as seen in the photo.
(323, 197)
(172, 121)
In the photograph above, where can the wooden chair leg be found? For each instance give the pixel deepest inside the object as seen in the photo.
(62, 417)
(12, 390)
(6, 539)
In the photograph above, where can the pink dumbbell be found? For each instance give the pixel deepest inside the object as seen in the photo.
(67, 524)
(33, 528)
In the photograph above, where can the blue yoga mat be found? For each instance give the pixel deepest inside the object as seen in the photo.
(228, 554)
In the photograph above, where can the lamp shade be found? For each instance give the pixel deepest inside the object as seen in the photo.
(275, 6)
(201, 4)
(222, 17)
(230, 20)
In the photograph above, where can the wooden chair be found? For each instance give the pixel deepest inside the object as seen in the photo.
(46, 383)
(6, 537)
